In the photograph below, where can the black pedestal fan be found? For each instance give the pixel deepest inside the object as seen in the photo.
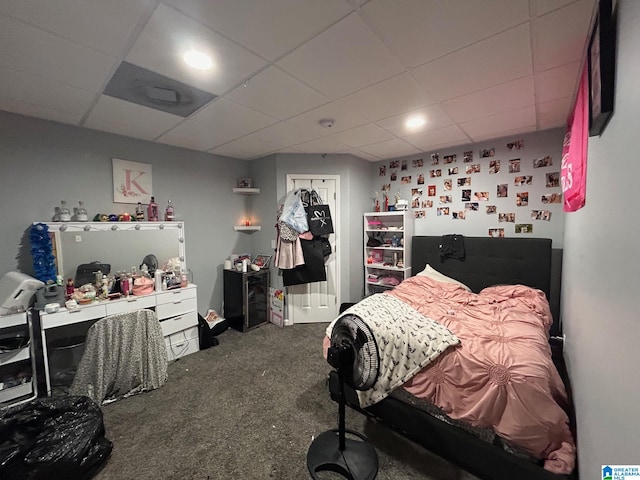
(354, 354)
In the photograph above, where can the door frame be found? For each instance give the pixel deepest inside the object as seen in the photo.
(335, 217)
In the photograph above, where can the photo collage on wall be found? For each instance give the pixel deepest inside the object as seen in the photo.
(458, 186)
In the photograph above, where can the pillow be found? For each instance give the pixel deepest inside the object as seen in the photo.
(432, 273)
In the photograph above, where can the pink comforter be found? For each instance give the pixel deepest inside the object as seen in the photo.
(502, 375)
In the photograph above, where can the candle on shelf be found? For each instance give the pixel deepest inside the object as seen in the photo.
(247, 222)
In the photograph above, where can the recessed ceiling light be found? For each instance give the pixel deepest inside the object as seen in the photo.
(415, 122)
(198, 60)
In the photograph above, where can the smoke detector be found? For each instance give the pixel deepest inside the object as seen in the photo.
(327, 122)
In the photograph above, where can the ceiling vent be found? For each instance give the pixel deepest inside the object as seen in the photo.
(149, 89)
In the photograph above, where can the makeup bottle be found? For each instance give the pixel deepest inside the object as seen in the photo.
(152, 210)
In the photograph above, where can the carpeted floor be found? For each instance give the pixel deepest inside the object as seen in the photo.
(247, 409)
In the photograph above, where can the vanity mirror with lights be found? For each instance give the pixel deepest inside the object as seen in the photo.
(122, 245)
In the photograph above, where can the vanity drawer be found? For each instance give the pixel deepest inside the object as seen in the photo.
(178, 323)
(177, 307)
(130, 304)
(67, 317)
(181, 347)
(181, 335)
(176, 295)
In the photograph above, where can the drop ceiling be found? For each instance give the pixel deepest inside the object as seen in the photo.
(475, 69)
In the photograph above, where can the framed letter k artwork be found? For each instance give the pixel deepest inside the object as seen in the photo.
(131, 182)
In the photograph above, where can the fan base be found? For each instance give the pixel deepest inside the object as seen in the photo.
(358, 460)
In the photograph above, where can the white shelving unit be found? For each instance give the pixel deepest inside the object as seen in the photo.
(18, 365)
(390, 262)
(246, 228)
(246, 191)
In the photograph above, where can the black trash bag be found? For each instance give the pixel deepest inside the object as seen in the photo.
(53, 438)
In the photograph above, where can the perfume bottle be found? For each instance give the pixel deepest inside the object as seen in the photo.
(169, 213)
(64, 213)
(81, 212)
(152, 210)
(139, 213)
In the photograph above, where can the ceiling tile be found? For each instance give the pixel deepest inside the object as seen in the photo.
(390, 148)
(504, 133)
(322, 145)
(344, 119)
(342, 59)
(423, 30)
(555, 113)
(556, 83)
(269, 29)
(103, 26)
(288, 150)
(542, 7)
(431, 139)
(498, 59)
(522, 119)
(434, 115)
(284, 134)
(245, 148)
(197, 136)
(71, 103)
(393, 96)
(363, 135)
(277, 94)
(32, 50)
(559, 37)
(38, 111)
(364, 155)
(117, 116)
(232, 117)
(494, 100)
(169, 34)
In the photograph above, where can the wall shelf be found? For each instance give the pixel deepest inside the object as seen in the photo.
(247, 191)
(250, 228)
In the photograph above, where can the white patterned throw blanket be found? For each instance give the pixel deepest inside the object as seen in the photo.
(407, 341)
(124, 355)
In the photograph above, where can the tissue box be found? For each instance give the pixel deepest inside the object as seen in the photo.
(16, 292)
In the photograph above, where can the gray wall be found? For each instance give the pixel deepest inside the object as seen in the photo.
(477, 223)
(44, 162)
(601, 277)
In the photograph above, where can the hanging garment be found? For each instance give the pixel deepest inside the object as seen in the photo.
(452, 246)
(313, 269)
(574, 150)
(288, 249)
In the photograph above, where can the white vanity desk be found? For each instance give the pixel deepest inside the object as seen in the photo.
(176, 309)
(122, 245)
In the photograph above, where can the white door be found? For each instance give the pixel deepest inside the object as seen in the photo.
(318, 301)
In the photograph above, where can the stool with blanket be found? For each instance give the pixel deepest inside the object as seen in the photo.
(124, 355)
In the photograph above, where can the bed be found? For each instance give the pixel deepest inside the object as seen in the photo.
(519, 281)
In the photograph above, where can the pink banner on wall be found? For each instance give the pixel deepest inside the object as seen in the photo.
(574, 150)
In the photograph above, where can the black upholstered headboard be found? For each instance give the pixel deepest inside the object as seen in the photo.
(493, 261)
